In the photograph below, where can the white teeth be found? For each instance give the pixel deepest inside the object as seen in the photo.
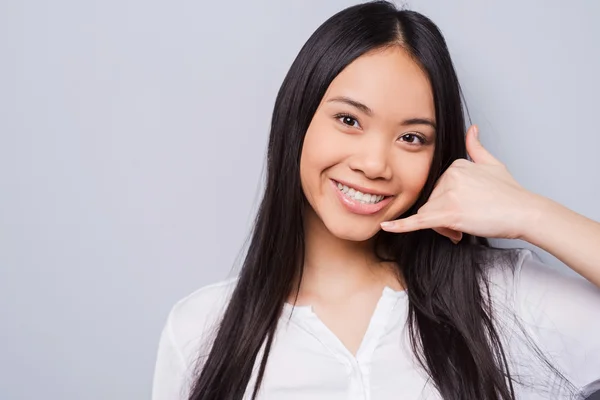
(359, 196)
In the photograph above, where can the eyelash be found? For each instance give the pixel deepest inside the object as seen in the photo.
(423, 140)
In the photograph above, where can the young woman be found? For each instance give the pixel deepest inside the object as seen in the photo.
(368, 275)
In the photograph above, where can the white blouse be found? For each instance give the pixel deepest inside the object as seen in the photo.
(560, 313)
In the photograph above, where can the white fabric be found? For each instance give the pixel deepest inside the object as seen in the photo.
(560, 313)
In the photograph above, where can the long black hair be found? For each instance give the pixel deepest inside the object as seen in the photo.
(451, 322)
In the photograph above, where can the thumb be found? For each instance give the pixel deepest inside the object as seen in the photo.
(477, 152)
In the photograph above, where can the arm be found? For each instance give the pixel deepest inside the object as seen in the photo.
(570, 237)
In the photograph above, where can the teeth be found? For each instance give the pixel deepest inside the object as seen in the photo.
(359, 196)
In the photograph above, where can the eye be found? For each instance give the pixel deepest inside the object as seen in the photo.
(348, 120)
(413, 139)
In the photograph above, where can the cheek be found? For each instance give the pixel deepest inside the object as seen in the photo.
(415, 176)
(313, 160)
(319, 152)
(412, 173)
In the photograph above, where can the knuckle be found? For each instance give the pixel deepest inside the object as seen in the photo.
(461, 162)
(454, 173)
(453, 197)
(454, 222)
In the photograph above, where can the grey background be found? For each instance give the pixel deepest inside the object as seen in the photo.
(132, 136)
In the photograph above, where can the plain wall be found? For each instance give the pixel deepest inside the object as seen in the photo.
(132, 138)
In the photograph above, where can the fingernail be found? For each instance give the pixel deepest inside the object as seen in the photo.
(476, 132)
(387, 224)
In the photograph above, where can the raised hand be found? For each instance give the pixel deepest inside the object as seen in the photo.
(479, 198)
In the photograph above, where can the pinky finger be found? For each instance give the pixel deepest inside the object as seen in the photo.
(417, 222)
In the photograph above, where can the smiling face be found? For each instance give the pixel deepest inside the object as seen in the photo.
(368, 149)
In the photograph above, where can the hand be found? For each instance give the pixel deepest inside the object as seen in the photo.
(480, 198)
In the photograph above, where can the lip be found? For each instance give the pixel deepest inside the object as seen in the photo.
(363, 189)
(357, 207)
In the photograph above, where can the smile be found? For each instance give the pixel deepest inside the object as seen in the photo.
(360, 202)
(364, 198)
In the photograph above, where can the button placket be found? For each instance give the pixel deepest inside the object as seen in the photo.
(358, 389)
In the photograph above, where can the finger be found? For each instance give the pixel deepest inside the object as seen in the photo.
(458, 238)
(477, 152)
(426, 220)
(454, 236)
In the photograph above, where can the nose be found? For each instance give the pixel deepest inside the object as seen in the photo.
(371, 158)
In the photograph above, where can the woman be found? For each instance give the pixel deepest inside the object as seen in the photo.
(368, 275)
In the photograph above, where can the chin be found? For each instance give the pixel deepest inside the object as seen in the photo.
(353, 233)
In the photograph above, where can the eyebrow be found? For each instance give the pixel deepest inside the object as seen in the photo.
(365, 109)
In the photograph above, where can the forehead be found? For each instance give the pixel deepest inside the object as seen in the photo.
(388, 81)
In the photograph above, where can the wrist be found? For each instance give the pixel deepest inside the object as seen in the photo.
(536, 215)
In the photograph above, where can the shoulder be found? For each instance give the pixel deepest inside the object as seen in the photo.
(189, 326)
(538, 288)
(529, 282)
(194, 318)
(559, 309)
(557, 301)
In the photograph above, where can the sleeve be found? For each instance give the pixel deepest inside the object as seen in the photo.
(562, 313)
(169, 373)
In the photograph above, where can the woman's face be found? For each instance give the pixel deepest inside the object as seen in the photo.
(368, 149)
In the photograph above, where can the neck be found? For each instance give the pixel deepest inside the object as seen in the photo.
(336, 268)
